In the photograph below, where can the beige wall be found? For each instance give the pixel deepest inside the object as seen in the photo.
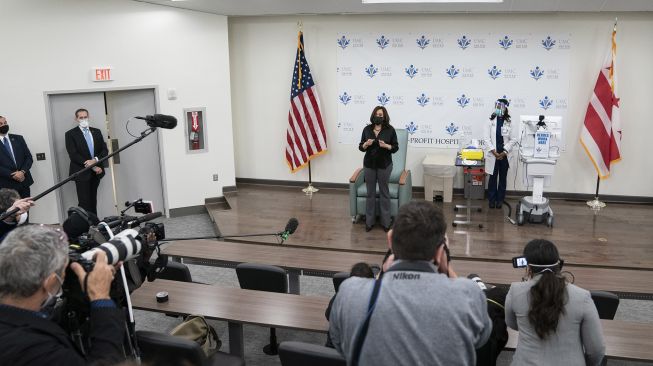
(262, 52)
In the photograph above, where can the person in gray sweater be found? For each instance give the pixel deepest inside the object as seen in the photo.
(558, 323)
(421, 314)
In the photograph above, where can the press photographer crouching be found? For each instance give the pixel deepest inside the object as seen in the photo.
(33, 262)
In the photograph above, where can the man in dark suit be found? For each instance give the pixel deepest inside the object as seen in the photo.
(85, 146)
(15, 161)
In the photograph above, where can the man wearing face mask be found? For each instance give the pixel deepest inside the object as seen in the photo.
(85, 146)
(15, 161)
(33, 261)
(10, 199)
(499, 141)
(418, 312)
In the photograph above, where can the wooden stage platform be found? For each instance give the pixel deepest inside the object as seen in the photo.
(620, 236)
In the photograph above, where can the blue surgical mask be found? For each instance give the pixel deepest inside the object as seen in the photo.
(498, 112)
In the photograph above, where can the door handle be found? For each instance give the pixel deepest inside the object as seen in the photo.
(114, 147)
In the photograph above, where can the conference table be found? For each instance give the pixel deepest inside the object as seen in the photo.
(324, 262)
(624, 340)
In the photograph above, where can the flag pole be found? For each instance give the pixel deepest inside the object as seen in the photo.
(310, 189)
(596, 205)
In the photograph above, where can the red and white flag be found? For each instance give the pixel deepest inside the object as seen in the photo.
(601, 133)
(305, 136)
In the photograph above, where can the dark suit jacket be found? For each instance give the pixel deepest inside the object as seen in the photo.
(78, 151)
(26, 339)
(23, 162)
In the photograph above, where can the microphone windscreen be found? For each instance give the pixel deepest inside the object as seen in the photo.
(291, 226)
(74, 226)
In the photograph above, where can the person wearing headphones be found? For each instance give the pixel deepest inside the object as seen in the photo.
(558, 322)
(499, 141)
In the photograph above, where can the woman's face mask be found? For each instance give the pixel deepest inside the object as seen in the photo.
(499, 109)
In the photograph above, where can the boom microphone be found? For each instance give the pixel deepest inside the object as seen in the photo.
(291, 226)
(160, 120)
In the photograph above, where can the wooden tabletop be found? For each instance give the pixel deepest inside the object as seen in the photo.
(624, 340)
(590, 278)
(235, 305)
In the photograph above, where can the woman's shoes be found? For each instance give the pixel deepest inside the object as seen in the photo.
(498, 205)
(368, 228)
(492, 204)
(386, 228)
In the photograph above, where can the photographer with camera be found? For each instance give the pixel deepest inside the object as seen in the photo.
(418, 312)
(10, 199)
(33, 262)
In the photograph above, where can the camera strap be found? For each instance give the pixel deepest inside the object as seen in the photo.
(359, 339)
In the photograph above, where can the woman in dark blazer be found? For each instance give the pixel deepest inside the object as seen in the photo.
(557, 322)
(378, 142)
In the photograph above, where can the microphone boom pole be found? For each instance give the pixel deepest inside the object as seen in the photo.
(143, 135)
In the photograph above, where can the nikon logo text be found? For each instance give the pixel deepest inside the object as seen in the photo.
(405, 276)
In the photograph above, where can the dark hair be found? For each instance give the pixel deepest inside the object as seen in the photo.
(361, 269)
(418, 231)
(549, 295)
(386, 116)
(7, 198)
(81, 110)
(506, 116)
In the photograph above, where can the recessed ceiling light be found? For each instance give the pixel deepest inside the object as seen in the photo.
(428, 1)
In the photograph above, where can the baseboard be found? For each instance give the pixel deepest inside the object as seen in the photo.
(460, 191)
(189, 210)
(227, 189)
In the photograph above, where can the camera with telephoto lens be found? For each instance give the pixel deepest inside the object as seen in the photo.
(134, 245)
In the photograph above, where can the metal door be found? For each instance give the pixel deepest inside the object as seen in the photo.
(62, 119)
(137, 170)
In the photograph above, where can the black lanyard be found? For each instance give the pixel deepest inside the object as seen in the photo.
(359, 340)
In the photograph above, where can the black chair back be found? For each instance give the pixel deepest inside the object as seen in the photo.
(176, 271)
(338, 278)
(606, 303)
(301, 354)
(165, 349)
(262, 277)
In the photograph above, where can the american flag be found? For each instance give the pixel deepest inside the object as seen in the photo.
(305, 136)
(601, 133)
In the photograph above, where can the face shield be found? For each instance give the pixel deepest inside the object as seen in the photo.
(499, 108)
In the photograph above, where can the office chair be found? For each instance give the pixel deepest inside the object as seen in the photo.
(606, 303)
(300, 354)
(262, 277)
(338, 278)
(164, 349)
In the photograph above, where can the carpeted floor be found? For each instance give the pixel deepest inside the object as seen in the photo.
(257, 337)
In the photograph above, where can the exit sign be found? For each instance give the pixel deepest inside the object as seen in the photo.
(102, 74)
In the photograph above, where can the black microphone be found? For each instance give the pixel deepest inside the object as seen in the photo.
(291, 226)
(141, 219)
(160, 120)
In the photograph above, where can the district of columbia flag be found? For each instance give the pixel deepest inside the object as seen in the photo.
(601, 132)
(305, 135)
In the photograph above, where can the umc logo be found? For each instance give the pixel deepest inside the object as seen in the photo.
(411, 71)
(423, 42)
(463, 101)
(382, 42)
(451, 129)
(494, 72)
(546, 103)
(548, 43)
(452, 72)
(464, 42)
(383, 99)
(505, 43)
(343, 42)
(537, 73)
(344, 98)
(423, 100)
(412, 128)
(371, 70)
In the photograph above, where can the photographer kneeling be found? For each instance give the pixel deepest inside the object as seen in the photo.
(33, 261)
